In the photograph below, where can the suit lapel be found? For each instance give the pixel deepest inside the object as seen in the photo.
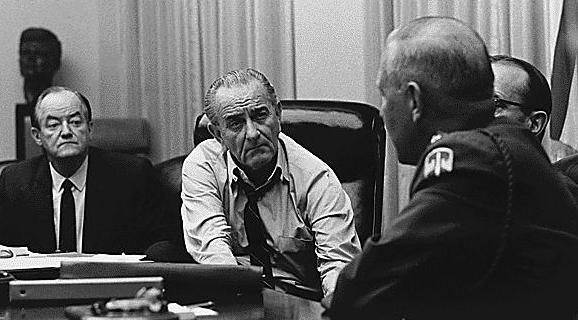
(97, 199)
(43, 213)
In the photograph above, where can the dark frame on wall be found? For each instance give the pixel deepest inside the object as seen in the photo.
(25, 146)
(22, 111)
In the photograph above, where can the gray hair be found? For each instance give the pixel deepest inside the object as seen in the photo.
(55, 89)
(443, 55)
(236, 78)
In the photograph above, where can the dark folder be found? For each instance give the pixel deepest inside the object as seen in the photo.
(184, 283)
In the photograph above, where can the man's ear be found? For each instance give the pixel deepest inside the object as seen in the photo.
(538, 121)
(278, 109)
(90, 129)
(413, 93)
(278, 112)
(215, 131)
(35, 133)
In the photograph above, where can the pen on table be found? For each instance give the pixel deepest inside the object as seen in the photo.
(206, 304)
(5, 253)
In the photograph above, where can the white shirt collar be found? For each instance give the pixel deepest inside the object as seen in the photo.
(78, 179)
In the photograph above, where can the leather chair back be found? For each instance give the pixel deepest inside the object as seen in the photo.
(169, 177)
(126, 135)
(350, 138)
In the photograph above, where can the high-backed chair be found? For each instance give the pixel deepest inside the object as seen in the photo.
(126, 135)
(169, 177)
(350, 138)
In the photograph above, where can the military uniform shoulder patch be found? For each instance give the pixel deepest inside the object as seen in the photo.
(438, 160)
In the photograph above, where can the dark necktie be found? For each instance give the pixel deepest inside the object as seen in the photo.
(67, 219)
(259, 250)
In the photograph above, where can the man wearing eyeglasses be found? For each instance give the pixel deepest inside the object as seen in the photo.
(521, 93)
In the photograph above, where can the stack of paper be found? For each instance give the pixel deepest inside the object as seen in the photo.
(39, 261)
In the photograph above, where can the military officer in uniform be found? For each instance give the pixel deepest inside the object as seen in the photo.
(490, 229)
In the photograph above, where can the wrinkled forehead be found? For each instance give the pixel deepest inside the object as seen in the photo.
(238, 98)
(60, 104)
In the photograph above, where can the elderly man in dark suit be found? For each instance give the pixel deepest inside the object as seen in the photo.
(75, 198)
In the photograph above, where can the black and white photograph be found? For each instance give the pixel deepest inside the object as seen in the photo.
(289, 159)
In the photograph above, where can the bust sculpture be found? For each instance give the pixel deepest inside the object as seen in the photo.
(40, 53)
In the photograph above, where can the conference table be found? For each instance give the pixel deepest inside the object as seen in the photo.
(274, 305)
(181, 280)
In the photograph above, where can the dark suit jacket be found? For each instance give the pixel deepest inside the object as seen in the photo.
(121, 210)
(456, 251)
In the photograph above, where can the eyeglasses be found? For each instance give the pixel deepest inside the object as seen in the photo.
(502, 103)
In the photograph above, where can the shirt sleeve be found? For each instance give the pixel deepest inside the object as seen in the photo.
(333, 226)
(206, 232)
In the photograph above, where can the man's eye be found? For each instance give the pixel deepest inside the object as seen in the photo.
(76, 122)
(261, 115)
(52, 124)
(235, 125)
(501, 105)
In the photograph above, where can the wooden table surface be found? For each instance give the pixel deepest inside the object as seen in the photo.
(274, 305)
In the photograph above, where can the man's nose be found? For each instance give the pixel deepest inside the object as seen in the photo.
(252, 131)
(66, 131)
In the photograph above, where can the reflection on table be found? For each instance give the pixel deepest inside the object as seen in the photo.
(272, 305)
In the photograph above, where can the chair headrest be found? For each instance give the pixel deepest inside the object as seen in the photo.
(127, 135)
(169, 173)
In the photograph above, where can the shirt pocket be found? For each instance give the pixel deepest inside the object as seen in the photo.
(294, 245)
(297, 256)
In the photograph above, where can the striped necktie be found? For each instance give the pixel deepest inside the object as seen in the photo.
(259, 251)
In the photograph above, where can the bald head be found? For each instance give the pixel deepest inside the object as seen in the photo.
(435, 76)
(443, 55)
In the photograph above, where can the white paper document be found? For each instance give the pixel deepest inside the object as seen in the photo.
(191, 312)
(22, 259)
